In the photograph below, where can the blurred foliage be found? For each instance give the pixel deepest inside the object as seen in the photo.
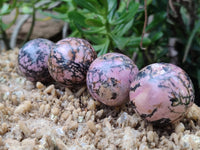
(108, 25)
(184, 24)
(21, 7)
(116, 26)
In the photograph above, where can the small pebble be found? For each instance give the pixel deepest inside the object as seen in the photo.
(24, 128)
(179, 127)
(92, 126)
(39, 85)
(55, 111)
(23, 108)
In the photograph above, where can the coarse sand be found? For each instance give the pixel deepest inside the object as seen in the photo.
(35, 116)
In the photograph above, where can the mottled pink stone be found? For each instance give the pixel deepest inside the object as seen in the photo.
(32, 60)
(162, 93)
(69, 61)
(109, 78)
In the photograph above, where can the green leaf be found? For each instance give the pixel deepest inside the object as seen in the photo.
(94, 22)
(192, 35)
(27, 10)
(157, 20)
(104, 47)
(122, 29)
(4, 26)
(149, 2)
(157, 36)
(112, 6)
(140, 60)
(77, 18)
(56, 16)
(104, 3)
(13, 4)
(94, 30)
(135, 41)
(98, 47)
(91, 5)
(1, 4)
(101, 30)
(127, 15)
(95, 39)
(161, 52)
(95, 3)
(75, 33)
(185, 17)
(120, 42)
(5, 9)
(67, 1)
(62, 9)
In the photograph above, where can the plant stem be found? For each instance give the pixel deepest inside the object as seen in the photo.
(192, 35)
(31, 28)
(107, 26)
(145, 24)
(15, 18)
(4, 38)
(17, 29)
(148, 57)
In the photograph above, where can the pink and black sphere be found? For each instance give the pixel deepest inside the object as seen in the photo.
(32, 60)
(162, 93)
(109, 78)
(69, 61)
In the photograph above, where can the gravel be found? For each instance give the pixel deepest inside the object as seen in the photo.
(37, 116)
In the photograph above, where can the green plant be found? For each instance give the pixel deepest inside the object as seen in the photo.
(184, 22)
(25, 8)
(117, 26)
(109, 25)
(6, 8)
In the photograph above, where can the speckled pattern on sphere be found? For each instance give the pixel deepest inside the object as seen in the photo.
(69, 61)
(109, 78)
(32, 60)
(162, 93)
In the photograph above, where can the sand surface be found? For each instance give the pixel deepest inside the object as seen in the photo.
(35, 116)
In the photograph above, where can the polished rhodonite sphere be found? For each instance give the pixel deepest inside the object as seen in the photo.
(32, 60)
(109, 78)
(162, 93)
(69, 61)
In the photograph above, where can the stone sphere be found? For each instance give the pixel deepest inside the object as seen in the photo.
(109, 78)
(69, 61)
(32, 60)
(162, 93)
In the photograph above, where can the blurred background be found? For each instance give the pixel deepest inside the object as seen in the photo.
(172, 33)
